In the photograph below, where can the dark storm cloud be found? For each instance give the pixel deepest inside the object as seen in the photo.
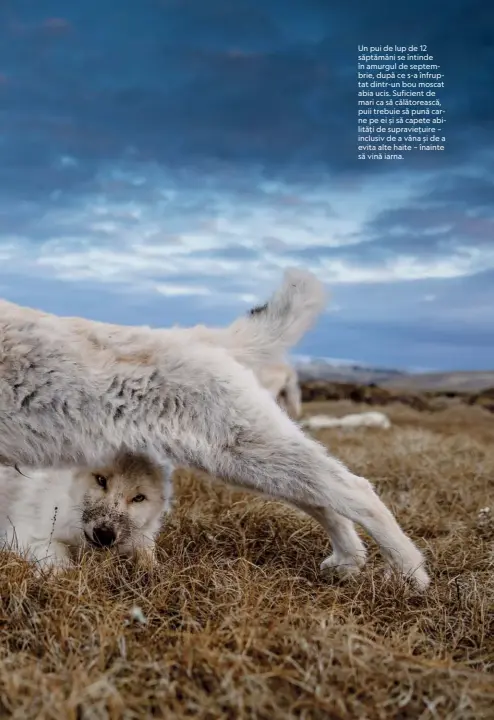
(451, 214)
(465, 192)
(186, 81)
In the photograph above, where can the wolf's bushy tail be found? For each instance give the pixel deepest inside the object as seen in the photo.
(268, 331)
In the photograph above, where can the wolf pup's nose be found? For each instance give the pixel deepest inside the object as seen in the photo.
(104, 536)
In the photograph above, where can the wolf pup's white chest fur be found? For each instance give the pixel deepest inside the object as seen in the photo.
(44, 513)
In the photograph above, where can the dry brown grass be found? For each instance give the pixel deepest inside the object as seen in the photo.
(239, 621)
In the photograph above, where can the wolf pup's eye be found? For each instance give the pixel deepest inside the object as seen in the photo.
(101, 481)
(138, 498)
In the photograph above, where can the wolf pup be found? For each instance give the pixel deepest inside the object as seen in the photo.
(119, 506)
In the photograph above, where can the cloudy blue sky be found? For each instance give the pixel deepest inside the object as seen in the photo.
(162, 162)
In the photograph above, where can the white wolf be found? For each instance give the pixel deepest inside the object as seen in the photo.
(75, 392)
(46, 514)
(282, 382)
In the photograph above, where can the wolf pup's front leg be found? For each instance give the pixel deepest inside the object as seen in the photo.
(50, 555)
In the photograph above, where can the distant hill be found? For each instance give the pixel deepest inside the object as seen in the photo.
(467, 381)
(313, 368)
(343, 371)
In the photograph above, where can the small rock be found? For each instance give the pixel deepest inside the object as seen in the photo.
(137, 616)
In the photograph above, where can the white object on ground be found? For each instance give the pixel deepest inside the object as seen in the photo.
(365, 419)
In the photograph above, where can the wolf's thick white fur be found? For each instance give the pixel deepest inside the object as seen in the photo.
(44, 514)
(281, 380)
(75, 392)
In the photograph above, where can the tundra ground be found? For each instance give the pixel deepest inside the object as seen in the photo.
(237, 621)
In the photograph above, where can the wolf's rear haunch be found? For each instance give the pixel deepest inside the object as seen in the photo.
(74, 392)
